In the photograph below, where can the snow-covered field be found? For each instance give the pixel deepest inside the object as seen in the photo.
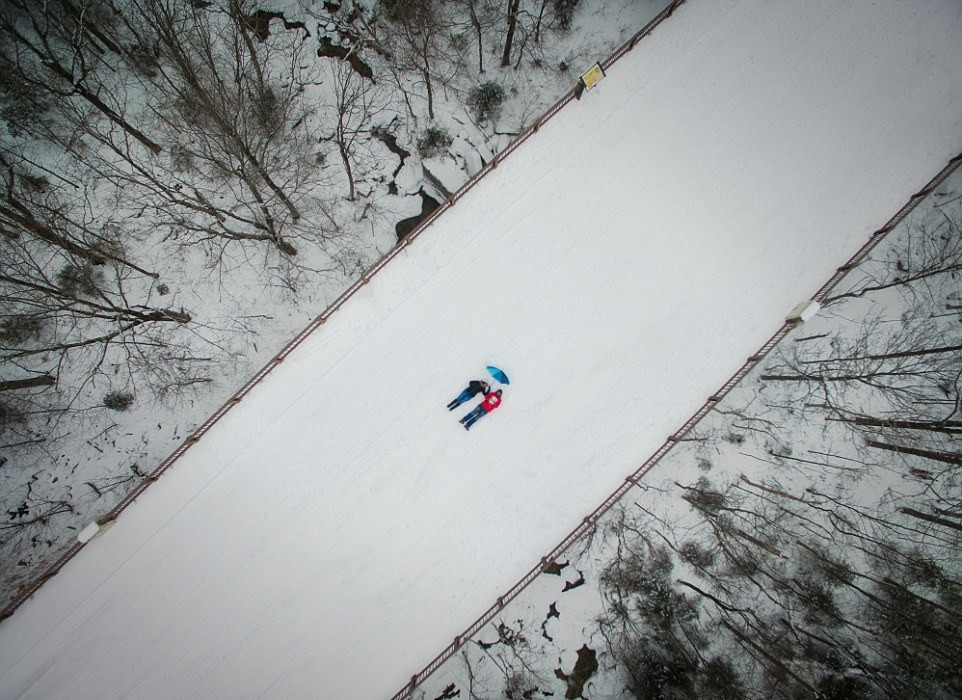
(338, 528)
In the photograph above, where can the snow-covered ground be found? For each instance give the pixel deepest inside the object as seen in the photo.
(338, 528)
(771, 436)
(246, 300)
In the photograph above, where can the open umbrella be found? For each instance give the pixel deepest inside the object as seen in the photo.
(498, 375)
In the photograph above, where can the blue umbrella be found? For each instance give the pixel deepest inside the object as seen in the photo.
(498, 375)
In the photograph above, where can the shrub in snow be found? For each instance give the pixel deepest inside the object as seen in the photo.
(17, 329)
(181, 159)
(77, 280)
(434, 141)
(412, 12)
(564, 12)
(460, 42)
(720, 679)
(842, 687)
(485, 101)
(644, 621)
(269, 109)
(286, 247)
(118, 401)
(142, 60)
(696, 555)
(23, 106)
(9, 415)
(657, 668)
(734, 438)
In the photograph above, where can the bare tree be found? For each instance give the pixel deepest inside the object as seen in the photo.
(357, 104)
(483, 16)
(419, 40)
(904, 365)
(929, 259)
(827, 583)
(57, 52)
(67, 289)
(524, 26)
(233, 105)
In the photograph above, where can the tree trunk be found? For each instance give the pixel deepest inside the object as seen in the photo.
(537, 27)
(18, 214)
(427, 81)
(347, 168)
(949, 427)
(947, 457)
(89, 28)
(889, 356)
(773, 660)
(896, 283)
(930, 518)
(509, 37)
(262, 172)
(240, 20)
(50, 61)
(32, 382)
(95, 310)
(93, 99)
(817, 378)
(476, 23)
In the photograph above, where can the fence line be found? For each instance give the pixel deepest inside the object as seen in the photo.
(51, 571)
(632, 480)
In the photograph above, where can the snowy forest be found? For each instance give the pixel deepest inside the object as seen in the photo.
(187, 184)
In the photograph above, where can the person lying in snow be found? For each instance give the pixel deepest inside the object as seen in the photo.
(475, 387)
(491, 402)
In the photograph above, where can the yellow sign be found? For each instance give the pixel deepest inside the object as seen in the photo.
(592, 76)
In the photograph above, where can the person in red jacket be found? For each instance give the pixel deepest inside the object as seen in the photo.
(491, 402)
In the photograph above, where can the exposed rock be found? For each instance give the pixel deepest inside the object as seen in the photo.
(585, 667)
(428, 205)
(328, 49)
(260, 23)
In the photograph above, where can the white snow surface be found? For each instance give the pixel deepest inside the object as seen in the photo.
(338, 528)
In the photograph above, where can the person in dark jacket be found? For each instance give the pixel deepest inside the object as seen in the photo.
(491, 402)
(475, 387)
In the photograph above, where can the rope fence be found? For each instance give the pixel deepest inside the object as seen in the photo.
(51, 571)
(589, 522)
